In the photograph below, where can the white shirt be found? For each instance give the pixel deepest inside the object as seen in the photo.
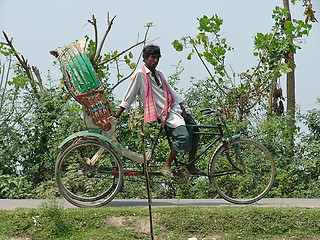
(137, 86)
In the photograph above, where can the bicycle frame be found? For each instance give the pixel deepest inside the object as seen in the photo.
(220, 137)
(218, 133)
(110, 137)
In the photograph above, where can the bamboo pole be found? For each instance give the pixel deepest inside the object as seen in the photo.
(145, 170)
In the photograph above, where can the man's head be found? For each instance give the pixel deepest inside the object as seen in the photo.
(151, 55)
(150, 50)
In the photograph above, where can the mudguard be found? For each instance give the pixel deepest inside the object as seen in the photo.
(91, 133)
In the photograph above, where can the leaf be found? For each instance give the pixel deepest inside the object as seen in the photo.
(133, 65)
(177, 45)
(205, 39)
(190, 54)
(288, 26)
(285, 68)
(149, 24)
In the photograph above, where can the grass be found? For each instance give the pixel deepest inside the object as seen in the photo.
(52, 221)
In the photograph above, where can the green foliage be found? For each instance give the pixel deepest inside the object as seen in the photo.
(46, 190)
(273, 48)
(14, 187)
(312, 120)
(249, 90)
(212, 25)
(297, 176)
(50, 120)
(33, 123)
(4, 50)
(177, 45)
(214, 48)
(307, 153)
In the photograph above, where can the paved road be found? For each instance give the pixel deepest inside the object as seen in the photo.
(266, 202)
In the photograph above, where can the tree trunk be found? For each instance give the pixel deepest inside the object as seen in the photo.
(291, 103)
(270, 97)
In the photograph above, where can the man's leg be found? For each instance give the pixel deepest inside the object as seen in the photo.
(167, 165)
(180, 142)
(192, 168)
(194, 139)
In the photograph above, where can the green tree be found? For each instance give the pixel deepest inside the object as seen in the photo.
(289, 58)
(255, 90)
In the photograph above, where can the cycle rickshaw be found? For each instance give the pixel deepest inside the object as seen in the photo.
(89, 170)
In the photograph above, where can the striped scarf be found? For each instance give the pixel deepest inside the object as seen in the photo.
(150, 111)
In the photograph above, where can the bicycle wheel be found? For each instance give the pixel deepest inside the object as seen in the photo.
(89, 173)
(242, 172)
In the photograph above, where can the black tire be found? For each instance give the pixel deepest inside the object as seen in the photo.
(242, 183)
(84, 184)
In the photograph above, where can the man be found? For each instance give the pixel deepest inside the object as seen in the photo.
(161, 102)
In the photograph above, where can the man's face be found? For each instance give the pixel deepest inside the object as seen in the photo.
(152, 61)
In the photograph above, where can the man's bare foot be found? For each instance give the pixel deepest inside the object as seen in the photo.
(166, 167)
(166, 171)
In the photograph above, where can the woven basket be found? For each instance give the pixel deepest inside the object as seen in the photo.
(83, 83)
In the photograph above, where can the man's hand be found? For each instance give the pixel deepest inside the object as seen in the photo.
(184, 113)
(117, 115)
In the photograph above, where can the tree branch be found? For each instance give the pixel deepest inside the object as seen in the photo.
(37, 73)
(223, 62)
(204, 64)
(5, 83)
(4, 43)
(118, 55)
(141, 42)
(94, 23)
(23, 62)
(104, 38)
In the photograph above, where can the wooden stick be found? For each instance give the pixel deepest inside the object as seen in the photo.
(145, 168)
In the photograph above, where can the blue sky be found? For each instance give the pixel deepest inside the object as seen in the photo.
(39, 26)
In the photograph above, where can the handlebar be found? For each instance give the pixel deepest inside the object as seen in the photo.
(220, 113)
(217, 113)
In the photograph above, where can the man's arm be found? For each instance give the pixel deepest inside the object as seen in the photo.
(132, 91)
(121, 109)
(184, 113)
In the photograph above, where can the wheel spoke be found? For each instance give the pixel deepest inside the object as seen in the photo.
(89, 181)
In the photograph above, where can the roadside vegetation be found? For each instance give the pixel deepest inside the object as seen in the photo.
(51, 221)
